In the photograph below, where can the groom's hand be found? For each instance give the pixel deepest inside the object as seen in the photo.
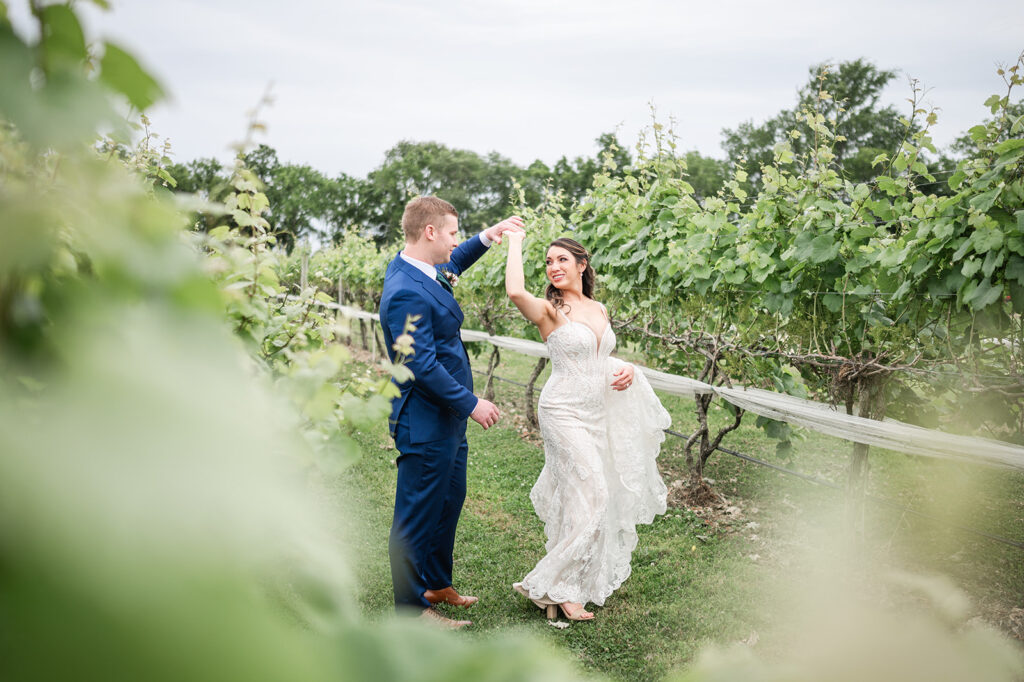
(512, 224)
(485, 413)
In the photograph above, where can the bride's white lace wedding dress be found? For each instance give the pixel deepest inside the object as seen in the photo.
(600, 478)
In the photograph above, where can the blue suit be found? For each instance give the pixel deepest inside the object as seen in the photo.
(428, 423)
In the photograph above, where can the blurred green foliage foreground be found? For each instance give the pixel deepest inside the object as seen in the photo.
(165, 418)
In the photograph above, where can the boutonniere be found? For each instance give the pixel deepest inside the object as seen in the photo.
(452, 278)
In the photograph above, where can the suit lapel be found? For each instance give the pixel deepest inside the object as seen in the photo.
(431, 287)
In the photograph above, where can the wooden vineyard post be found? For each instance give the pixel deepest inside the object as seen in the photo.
(857, 476)
(341, 314)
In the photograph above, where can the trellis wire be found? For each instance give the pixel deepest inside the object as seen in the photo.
(828, 484)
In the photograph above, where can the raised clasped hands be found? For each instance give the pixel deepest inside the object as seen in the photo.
(513, 224)
(623, 378)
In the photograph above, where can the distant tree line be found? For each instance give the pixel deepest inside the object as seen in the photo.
(306, 203)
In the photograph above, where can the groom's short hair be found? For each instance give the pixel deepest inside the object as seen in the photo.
(423, 211)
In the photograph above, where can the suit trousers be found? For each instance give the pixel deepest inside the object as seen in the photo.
(429, 495)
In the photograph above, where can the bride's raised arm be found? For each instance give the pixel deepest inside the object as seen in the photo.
(536, 310)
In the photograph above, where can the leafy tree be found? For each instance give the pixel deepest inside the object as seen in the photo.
(299, 195)
(479, 187)
(206, 177)
(303, 200)
(847, 96)
(575, 178)
(705, 174)
(347, 206)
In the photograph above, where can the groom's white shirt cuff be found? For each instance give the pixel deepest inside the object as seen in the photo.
(428, 269)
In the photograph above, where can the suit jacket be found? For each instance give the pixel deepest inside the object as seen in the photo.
(437, 402)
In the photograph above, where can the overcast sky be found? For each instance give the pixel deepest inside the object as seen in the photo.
(532, 79)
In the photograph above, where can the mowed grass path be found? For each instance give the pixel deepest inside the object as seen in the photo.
(692, 584)
(684, 591)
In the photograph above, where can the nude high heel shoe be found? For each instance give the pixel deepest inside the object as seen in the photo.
(551, 608)
(578, 614)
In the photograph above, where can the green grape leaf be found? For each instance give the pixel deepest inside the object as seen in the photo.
(772, 428)
(834, 302)
(970, 267)
(1008, 146)
(890, 186)
(987, 239)
(736, 276)
(823, 248)
(993, 259)
(1018, 125)
(962, 250)
(984, 201)
(983, 295)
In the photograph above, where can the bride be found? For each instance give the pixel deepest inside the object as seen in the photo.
(602, 427)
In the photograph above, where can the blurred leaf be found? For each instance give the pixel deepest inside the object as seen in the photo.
(364, 414)
(122, 73)
(64, 113)
(63, 40)
(29, 232)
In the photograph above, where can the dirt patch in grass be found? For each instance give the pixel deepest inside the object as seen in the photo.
(690, 492)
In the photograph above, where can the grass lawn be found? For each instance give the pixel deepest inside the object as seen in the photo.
(699, 577)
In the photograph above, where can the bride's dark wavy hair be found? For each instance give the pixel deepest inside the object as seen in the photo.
(553, 293)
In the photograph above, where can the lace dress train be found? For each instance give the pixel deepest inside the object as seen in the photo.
(600, 478)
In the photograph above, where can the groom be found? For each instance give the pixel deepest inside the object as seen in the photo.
(428, 420)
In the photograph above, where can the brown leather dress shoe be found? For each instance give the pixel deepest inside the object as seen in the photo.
(432, 616)
(448, 595)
